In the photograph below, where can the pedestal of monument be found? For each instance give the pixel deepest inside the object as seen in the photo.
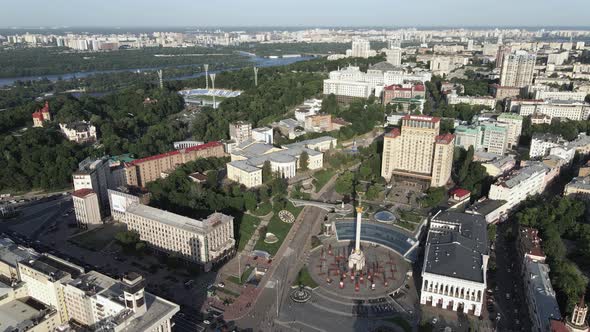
(356, 260)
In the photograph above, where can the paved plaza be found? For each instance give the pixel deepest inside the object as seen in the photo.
(384, 273)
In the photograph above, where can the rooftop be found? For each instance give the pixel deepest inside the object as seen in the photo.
(540, 285)
(421, 118)
(445, 139)
(486, 206)
(82, 192)
(531, 242)
(10, 253)
(22, 314)
(175, 152)
(178, 221)
(457, 249)
(519, 176)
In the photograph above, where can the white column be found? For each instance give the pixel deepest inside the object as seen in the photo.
(357, 244)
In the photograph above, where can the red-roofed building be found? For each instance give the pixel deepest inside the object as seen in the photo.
(403, 91)
(141, 171)
(459, 194)
(41, 116)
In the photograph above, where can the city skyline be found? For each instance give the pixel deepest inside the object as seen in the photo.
(305, 13)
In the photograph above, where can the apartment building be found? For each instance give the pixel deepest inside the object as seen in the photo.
(418, 152)
(513, 124)
(141, 171)
(403, 91)
(568, 109)
(94, 174)
(517, 69)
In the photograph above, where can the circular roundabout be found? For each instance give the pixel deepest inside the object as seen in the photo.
(286, 216)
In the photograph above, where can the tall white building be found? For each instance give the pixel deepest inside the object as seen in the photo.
(240, 131)
(86, 208)
(361, 48)
(394, 56)
(517, 69)
(455, 262)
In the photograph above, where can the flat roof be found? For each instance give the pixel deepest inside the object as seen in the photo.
(19, 315)
(176, 220)
(457, 252)
(540, 284)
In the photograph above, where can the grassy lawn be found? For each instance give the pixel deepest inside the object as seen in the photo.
(263, 209)
(407, 225)
(321, 178)
(97, 239)
(303, 278)
(411, 216)
(247, 227)
(399, 321)
(226, 291)
(245, 275)
(278, 228)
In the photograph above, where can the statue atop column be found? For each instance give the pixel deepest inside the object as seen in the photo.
(356, 260)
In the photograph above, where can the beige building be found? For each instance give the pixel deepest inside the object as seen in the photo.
(418, 152)
(86, 208)
(141, 171)
(240, 131)
(202, 241)
(517, 69)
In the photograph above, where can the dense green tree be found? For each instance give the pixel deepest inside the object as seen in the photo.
(266, 172)
(345, 183)
(304, 161)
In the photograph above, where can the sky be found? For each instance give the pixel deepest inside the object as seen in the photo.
(218, 13)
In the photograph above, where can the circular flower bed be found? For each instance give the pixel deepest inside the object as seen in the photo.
(286, 216)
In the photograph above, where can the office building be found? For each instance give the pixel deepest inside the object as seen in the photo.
(41, 115)
(455, 262)
(240, 131)
(560, 95)
(418, 152)
(204, 242)
(86, 208)
(517, 69)
(141, 171)
(494, 139)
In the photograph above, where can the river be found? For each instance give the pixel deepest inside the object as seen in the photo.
(256, 60)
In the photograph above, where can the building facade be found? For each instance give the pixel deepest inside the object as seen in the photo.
(519, 184)
(240, 131)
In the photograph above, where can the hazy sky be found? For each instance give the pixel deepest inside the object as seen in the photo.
(36, 13)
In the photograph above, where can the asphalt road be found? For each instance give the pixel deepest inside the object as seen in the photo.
(265, 310)
(508, 280)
